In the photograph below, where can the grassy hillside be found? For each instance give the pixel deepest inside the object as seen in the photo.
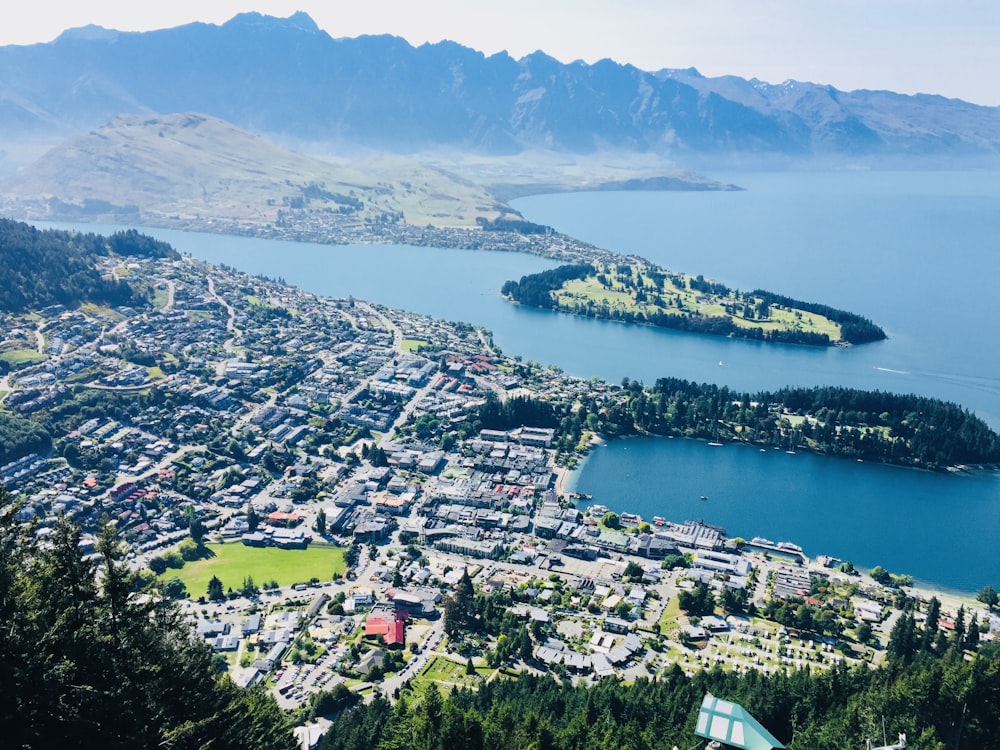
(190, 166)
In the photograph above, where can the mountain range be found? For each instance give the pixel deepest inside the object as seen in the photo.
(287, 79)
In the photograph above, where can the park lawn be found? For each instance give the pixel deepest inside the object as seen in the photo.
(234, 561)
(412, 345)
(447, 674)
(160, 298)
(668, 620)
(18, 357)
(618, 296)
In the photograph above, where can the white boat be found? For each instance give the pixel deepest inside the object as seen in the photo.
(789, 547)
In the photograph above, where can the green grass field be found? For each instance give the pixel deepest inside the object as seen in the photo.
(18, 357)
(447, 674)
(412, 345)
(668, 620)
(615, 295)
(234, 561)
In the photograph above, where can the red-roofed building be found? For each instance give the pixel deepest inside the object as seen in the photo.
(283, 519)
(391, 629)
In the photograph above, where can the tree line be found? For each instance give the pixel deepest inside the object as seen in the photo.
(905, 430)
(512, 224)
(536, 289)
(91, 661)
(48, 267)
(937, 701)
(900, 429)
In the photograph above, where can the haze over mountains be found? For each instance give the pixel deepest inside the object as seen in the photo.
(287, 79)
(170, 169)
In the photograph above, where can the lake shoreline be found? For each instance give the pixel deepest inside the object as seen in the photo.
(660, 498)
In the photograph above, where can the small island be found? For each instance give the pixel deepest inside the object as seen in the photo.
(635, 291)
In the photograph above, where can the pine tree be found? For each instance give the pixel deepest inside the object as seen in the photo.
(902, 640)
(931, 624)
(958, 636)
(90, 662)
(972, 636)
(215, 592)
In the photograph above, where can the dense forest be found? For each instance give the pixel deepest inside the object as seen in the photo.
(46, 267)
(512, 224)
(855, 329)
(901, 429)
(90, 662)
(939, 702)
(536, 289)
(20, 436)
(664, 309)
(494, 414)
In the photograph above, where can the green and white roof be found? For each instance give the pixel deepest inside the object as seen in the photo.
(731, 724)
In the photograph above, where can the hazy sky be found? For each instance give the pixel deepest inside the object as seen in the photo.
(949, 47)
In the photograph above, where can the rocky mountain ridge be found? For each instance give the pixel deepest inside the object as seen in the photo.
(288, 79)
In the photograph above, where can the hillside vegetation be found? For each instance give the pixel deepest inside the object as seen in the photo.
(938, 702)
(173, 168)
(47, 267)
(89, 662)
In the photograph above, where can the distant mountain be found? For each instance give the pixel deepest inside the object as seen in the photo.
(171, 169)
(288, 79)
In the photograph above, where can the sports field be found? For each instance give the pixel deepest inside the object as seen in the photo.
(234, 561)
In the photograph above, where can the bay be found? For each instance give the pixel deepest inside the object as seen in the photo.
(916, 252)
(940, 528)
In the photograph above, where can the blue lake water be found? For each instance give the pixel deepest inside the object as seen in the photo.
(939, 528)
(918, 253)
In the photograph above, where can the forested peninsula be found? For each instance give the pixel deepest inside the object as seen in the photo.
(640, 292)
(904, 430)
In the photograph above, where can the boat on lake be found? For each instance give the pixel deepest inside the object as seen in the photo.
(789, 547)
